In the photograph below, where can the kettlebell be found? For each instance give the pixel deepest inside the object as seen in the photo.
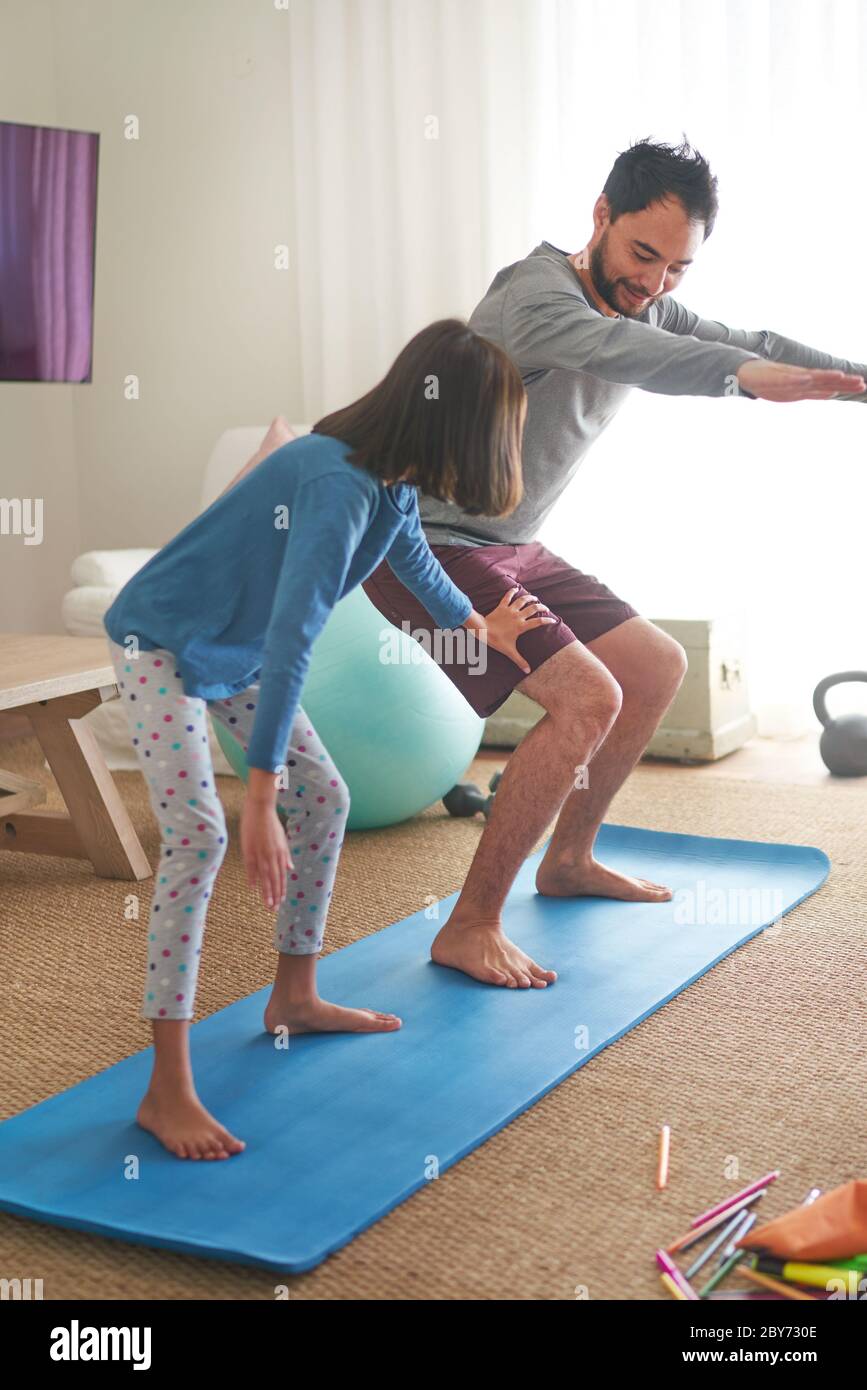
(843, 744)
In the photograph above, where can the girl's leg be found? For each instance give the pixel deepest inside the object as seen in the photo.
(170, 737)
(316, 801)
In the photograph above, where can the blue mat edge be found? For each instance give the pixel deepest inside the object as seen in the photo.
(132, 1237)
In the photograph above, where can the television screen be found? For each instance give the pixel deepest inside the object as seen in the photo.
(47, 236)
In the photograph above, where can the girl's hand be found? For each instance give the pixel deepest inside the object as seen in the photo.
(508, 621)
(265, 851)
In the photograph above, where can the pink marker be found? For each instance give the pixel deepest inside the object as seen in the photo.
(730, 1201)
(670, 1268)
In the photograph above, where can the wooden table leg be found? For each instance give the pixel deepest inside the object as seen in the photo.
(98, 827)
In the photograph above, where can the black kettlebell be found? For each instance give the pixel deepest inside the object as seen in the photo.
(465, 799)
(843, 744)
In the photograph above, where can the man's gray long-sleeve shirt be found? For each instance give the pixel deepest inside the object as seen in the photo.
(578, 366)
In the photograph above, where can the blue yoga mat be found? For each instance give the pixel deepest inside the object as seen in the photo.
(340, 1129)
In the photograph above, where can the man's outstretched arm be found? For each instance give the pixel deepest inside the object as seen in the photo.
(558, 330)
(773, 347)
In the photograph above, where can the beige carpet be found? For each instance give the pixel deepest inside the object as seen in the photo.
(761, 1062)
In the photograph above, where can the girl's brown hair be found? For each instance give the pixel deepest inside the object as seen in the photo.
(447, 417)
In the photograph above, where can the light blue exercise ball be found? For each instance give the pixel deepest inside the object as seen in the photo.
(398, 730)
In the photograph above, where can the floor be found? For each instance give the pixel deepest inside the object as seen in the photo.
(746, 1065)
(794, 762)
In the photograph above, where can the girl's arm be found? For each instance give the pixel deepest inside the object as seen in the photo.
(328, 518)
(415, 565)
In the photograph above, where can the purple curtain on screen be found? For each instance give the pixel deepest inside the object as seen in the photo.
(47, 211)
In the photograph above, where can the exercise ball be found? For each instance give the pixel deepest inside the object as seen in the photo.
(398, 730)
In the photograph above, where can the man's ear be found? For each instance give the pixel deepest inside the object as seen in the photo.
(601, 213)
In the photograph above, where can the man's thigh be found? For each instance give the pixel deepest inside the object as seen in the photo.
(583, 608)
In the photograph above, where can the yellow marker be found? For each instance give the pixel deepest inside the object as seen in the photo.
(672, 1287)
(815, 1276)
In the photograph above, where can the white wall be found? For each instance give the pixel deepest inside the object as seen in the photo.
(187, 296)
(37, 451)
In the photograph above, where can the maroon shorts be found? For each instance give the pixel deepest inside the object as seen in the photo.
(583, 607)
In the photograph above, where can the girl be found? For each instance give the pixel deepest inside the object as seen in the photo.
(223, 618)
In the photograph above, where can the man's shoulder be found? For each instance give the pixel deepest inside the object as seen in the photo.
(545, 271)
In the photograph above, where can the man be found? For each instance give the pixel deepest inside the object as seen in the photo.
(583, 329)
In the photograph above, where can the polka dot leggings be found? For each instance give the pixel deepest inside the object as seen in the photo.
(170, 736)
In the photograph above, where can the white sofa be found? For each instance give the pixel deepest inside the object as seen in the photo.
(100, 574)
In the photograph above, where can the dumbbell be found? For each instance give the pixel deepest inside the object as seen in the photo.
(466, 799)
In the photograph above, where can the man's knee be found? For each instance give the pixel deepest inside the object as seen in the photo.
(579, 693)
(598, 704)
(670, 663)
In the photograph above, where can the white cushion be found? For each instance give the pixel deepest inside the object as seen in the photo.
(82, 609)
(108, 567)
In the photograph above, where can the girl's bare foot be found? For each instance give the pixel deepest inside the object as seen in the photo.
(479, 948)
(185, 1127)
(318, 1016)
(593, 880)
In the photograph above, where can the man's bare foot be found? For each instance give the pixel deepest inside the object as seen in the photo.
(479, 948)
(185, 1127)
(318, 1016)
(593, 880)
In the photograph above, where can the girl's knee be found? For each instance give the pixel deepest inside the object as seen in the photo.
(335, 788)
(197, 841)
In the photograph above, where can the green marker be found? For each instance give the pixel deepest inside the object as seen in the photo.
(858, 1262)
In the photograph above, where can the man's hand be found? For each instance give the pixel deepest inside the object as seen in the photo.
(780, 381)
(263, 840)
(502, 627)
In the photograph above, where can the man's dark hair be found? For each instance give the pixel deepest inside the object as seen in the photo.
(649, 172)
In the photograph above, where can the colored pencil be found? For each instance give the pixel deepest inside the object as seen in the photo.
(722, 1239)
(745, 1295)
(669, 1267)
(672, 1287)
(730, 1201)
(664, 1151)
(720, 1274)
(746, 1222)
(685, 1241)
(787, 1290)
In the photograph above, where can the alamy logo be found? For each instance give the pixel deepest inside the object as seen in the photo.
(446, 646)
(76, 1343)
(20, 1289)
(22, 516)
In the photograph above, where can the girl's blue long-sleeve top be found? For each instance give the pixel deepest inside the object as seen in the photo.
(241, 594)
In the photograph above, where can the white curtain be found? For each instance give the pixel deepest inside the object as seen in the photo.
(435, 141)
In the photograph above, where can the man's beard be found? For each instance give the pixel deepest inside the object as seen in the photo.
(607, 290)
